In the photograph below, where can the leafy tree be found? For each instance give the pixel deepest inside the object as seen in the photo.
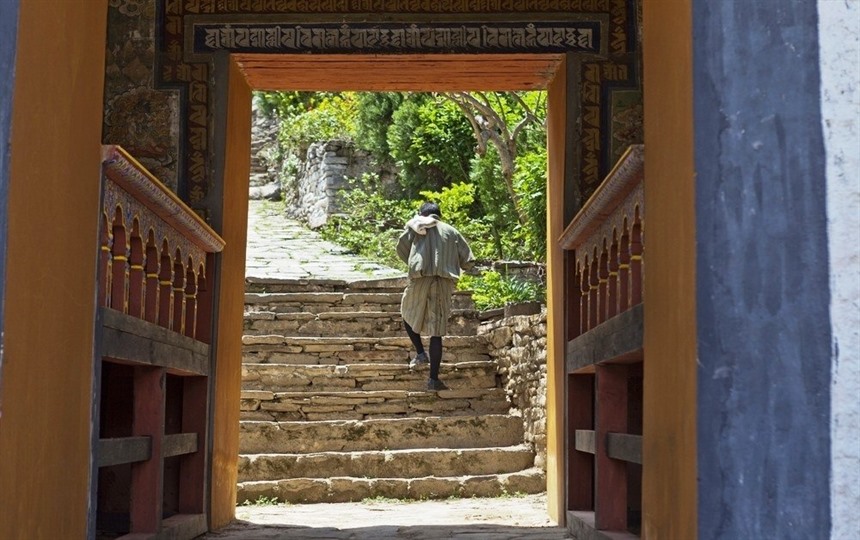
(375, 111)
(499, 119)
(430, 142)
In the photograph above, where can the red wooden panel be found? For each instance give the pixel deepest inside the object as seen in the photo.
(146, 477)
(580, 465)
(192, 471)
(610, 512)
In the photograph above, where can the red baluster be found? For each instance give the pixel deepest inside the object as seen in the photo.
(119, 265)
(190, 323)
(204, 300)
(612, 290)
(165, 288)
(178, 294)
(636, 249)
(574, 296)
(624, 270)
(105, 262)
(150, 312)
(583, 297)
(592, 292)
(136, 274)
(602, 282)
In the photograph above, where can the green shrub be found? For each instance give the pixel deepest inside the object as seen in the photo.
(372, 223)
(491, 290)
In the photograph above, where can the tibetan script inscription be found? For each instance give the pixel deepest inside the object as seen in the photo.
(398, 38)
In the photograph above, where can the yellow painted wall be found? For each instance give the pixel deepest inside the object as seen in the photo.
(45, 386)
(669, 452)
(556, 121)
(228, 372)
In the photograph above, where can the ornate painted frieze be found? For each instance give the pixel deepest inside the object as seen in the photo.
(603, 31)
(398, 38)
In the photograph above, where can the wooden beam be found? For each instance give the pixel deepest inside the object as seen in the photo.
(624, 447)
(585, 440)
(179, 444)
(618, 340)
(419, 72)
(120, 450)
(130, 340)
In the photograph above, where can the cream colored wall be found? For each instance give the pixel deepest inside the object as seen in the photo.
(46, 383)
(228, 372)
(669, 452)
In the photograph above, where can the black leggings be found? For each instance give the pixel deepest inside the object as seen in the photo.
(435, 349)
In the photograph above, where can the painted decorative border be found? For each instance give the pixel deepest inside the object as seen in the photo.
(184, 61)
(626, 177)
(394, 38)
(131, 177)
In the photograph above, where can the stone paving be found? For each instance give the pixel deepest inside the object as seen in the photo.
(505, 518)
(281, 248)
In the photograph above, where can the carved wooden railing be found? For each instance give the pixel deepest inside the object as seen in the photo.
(154, 250)
(156, 270)
(607, 236)
(604, 359)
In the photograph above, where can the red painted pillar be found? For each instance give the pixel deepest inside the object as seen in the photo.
(610, 506)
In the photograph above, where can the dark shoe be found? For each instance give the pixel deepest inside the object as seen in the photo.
(418, 360)
(435, 385)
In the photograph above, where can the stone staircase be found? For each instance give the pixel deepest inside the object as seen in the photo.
(331, 411)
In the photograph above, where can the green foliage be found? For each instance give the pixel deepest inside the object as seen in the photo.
(373, 222)
(530, 185)
(333, 117)
(375, 111)
(289, 104)
(492, 290)
(431, 143)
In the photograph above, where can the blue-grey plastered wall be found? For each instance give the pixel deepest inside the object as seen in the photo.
(8, 42)
(763, 409)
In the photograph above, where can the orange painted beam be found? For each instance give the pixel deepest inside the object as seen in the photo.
(418, 73)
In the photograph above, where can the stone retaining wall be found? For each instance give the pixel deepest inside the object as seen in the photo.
(321, 178)
(519, 345)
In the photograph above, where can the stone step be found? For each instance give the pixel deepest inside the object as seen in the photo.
(320, 302)
(378, 434)
(346, 489)
(266, 405)
(352, 350)
(348, 323)
(277, 285)
(413, 463)
(366, 376)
